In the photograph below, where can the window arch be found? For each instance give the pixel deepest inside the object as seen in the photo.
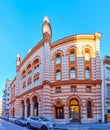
(72, 56)
(89, 109)
(59, 110)
(36, 66)
(88, 52)
(28, 69)
(58, 59)
(87, 55)
(72, 73)
(36, 69)
(58, 75)
(28, 107)
(35, 106)
(23, 109)
(87, 73)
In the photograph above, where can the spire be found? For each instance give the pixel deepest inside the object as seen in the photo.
(46, 20)
(18, 60)
(46, 29)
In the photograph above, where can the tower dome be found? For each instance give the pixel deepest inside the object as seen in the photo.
(46, 19)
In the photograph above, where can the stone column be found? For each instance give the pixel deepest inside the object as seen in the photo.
(21, 110)
(25, 110)
(31, 108)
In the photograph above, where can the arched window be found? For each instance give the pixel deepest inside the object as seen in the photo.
(89, 110)
(23, 109)
(87, 56)
(58, 59)
(58, 75)
(59, 112)
(72, 56)
(36, 69)
(59, 109)
(35, 106)
(36, 82)
(72, 73)
(87, 73)
(28, 107)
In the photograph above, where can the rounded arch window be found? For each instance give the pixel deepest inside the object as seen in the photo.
(28, 107)
(59, 110)
(36, 61)
(23, 109)
(87, 73)
(58, 59)
(72, 56)
(74, 102)
(35, 106)
(89, 109)
(72, 73)
(58, 75)
(87, 55)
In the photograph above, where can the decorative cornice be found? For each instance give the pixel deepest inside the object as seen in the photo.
(46, 82)
(66, 82)
(94, 82)
(29, 91)
(39, 45)
(75, 38)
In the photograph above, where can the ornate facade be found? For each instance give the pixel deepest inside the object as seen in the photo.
(59, 80)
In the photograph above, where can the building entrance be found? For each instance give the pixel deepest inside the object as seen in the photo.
(74, 111)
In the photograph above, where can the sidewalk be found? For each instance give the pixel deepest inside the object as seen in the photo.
(83, 126)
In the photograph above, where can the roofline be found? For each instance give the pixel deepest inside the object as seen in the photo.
(76, 38)
(36, 47)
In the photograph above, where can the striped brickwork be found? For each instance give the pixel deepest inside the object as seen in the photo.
(28, 92)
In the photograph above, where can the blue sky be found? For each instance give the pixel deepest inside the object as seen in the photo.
(21, 26)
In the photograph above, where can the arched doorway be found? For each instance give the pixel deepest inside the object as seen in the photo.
(35, 106)
(28, 107)
(13, 112)
(59, 110)
(23, 109)
(74, 110)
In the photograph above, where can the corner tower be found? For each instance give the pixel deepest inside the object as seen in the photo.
(46, 29)
(47, 35)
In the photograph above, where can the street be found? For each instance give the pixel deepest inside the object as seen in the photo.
(6, 125)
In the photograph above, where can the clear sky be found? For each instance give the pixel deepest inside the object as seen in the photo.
(21, 26)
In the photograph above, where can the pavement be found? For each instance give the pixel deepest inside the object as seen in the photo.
(101, 126)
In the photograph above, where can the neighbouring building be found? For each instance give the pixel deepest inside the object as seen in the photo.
(5, 99)
(0, 107)
(60, 80)
(105, 75)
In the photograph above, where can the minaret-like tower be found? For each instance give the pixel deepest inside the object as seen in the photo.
(46, 29)
(17, 85)
(47, 34)
(18, 60)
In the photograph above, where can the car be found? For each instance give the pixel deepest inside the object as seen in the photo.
(21, 121)
(40, 123)
(12, 119)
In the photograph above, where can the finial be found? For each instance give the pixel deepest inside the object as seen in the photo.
(46, 19)
(18, 60)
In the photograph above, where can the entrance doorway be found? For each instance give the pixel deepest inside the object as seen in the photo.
(35, 106)
(74, 111)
